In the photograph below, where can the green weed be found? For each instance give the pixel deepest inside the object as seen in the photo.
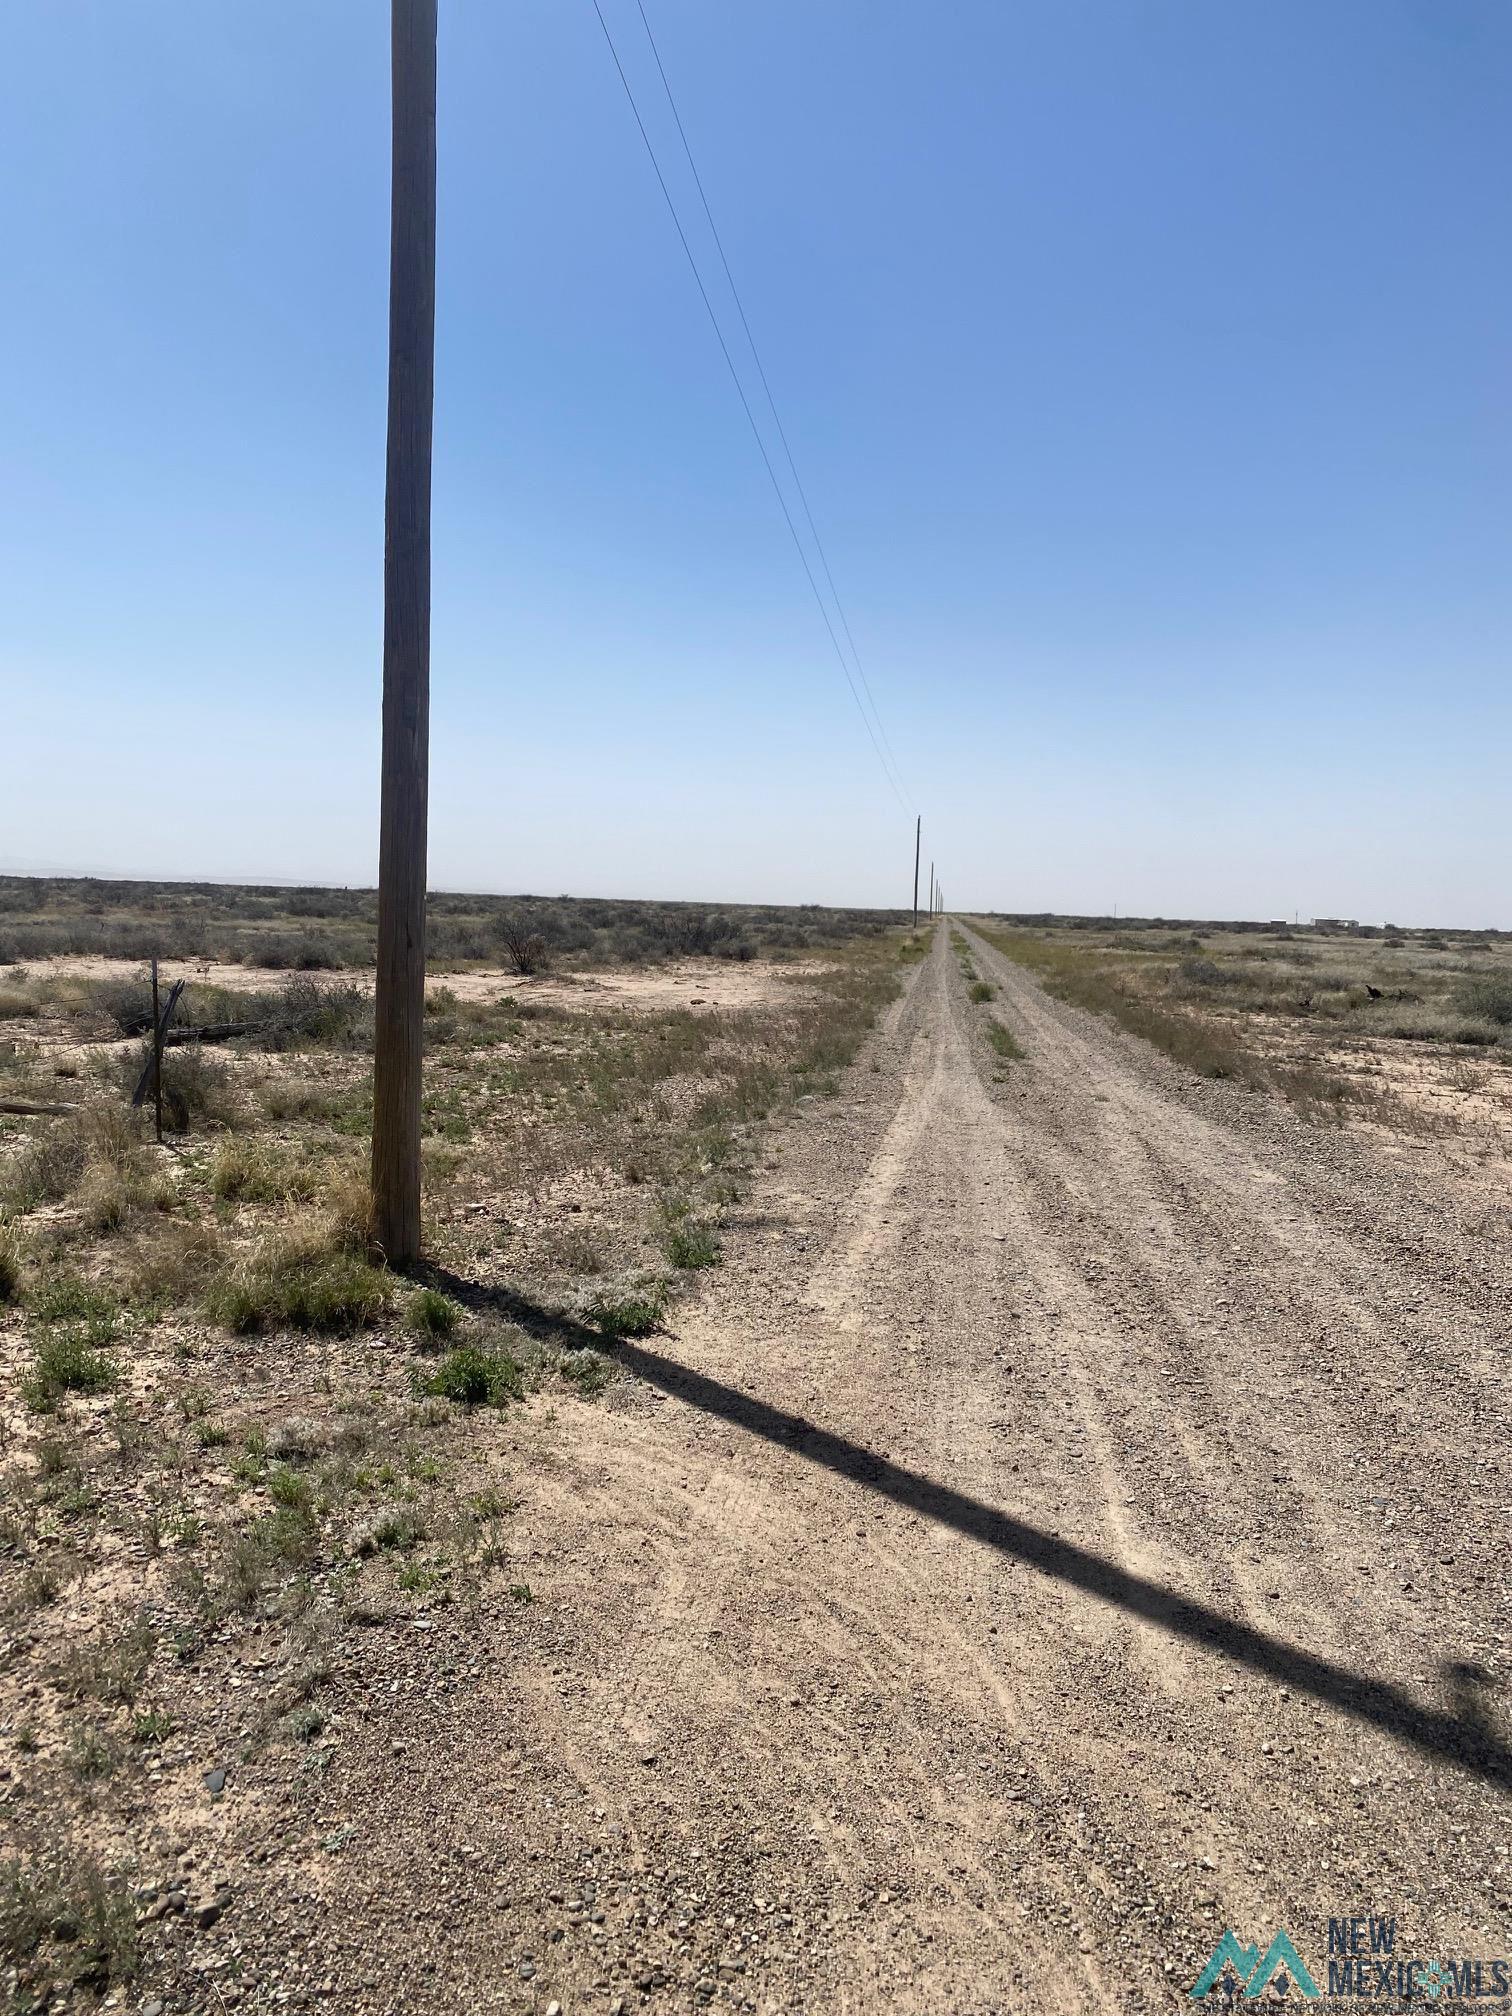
(633, 1314)
(474, 1377)
(65, 1362)
(1004, 1041)
(690, 1245)
(432, 1315)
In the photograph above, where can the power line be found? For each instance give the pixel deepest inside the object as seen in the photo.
(767, 389)
(746, 404)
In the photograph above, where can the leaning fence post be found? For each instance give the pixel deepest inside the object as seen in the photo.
(157, 1055)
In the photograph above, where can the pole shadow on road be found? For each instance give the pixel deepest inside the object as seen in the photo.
(1464, 1737)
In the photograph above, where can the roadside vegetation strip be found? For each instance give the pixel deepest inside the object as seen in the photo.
(260, 1219)
(1377, 983)
(1077, 974)
(1290, 1011)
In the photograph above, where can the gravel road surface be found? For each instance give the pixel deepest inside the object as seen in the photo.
(1073, 1521)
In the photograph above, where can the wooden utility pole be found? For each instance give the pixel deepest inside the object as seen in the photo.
(400, 999)
(918, 834)
(931, 889)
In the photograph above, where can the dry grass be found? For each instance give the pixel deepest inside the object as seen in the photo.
(1075, 972)
(64, 1927)
(316, 1274)
(245, 1171)
(242, 1424)
(1321, 1019)
(1004, 1042)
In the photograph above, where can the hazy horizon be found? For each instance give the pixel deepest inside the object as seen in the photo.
(704, 900)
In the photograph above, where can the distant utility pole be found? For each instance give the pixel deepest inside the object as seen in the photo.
(931, 889)
(918, 834)
(400, 998)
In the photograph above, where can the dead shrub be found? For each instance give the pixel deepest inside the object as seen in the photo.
(524, 947)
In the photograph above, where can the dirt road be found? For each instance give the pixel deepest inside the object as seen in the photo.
(1073, 1522)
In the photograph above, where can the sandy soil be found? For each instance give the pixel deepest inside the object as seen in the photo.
(1073, 1521)
(698, 984)
(1446, 1107)
(680, 983)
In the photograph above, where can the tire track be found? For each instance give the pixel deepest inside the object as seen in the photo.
(959, 1776)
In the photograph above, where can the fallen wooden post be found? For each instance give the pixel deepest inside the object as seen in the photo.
(213, 1032)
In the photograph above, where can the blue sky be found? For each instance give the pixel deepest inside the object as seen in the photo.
(1147, 362)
